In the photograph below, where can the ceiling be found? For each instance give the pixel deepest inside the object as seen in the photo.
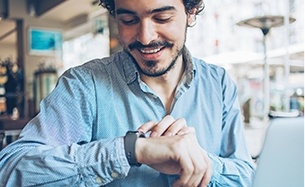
(70, 9)
(64, 12)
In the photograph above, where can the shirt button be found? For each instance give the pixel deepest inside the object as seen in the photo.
(114, 175)
(99, 180)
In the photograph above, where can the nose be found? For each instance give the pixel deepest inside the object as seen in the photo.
(146, 32)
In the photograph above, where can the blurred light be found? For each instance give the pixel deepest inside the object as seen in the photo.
(299, 92)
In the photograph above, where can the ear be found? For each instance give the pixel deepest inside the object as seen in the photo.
(191, 17)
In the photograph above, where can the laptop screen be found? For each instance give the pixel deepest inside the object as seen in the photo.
(281, 162)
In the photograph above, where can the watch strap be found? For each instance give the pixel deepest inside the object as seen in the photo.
(130, 146)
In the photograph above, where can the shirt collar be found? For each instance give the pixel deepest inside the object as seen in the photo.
(129, 67)
(190, 69)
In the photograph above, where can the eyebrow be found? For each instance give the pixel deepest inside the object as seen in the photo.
(162, 9)
(157, 10)
(124, 11)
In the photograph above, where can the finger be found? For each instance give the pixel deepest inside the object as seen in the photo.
(183, 131)
(192, 163)
(206, 178)
(186, 172)
(201, 165)
(186, 130)
(147, 126)
(176, 126)
(162, 126)
(199, 170)
(209, 171)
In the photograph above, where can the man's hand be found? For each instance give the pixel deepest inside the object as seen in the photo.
(174, 149)
(168, 126)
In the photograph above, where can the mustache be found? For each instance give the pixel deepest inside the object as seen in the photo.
(138, 45)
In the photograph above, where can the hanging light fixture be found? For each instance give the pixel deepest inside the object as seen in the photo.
(265, 23)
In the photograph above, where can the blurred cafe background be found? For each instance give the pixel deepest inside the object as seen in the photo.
(259, 42)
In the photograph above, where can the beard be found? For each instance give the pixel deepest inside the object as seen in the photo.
(152, 69)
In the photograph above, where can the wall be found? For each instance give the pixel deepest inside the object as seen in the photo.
(17, 10)
(8, 51)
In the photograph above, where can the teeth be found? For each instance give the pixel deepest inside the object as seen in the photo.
(150, 51)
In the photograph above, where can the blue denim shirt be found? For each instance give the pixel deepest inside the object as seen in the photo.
(77, 138)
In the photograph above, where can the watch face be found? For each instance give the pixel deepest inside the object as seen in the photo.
(139, 133)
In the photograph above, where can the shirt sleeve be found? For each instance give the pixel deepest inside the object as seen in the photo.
(234, 165)
(56, 148)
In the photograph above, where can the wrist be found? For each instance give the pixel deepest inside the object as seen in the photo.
(139, 150)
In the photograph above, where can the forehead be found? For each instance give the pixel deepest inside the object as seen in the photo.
(148, 6)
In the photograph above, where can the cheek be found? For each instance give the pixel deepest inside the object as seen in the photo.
(175, 30)
(174, 33)
(126, 36)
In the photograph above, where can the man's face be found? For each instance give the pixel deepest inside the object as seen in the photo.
(153, 32)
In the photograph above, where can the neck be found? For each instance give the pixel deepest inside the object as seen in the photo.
(165, 85)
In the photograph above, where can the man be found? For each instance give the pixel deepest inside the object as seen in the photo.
(188, 110)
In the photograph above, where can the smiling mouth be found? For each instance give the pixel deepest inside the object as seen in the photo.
(150, 50)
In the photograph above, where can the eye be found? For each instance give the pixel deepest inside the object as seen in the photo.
(163, 18)
(129, 20)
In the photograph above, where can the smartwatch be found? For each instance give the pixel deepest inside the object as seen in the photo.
(130, 146)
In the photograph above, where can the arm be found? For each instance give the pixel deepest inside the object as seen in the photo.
(233, 165)
(55, 147)
(27, 164)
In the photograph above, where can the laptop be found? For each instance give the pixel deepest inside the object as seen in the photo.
(281, 162)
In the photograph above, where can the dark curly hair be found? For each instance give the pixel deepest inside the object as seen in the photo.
(189, 5)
